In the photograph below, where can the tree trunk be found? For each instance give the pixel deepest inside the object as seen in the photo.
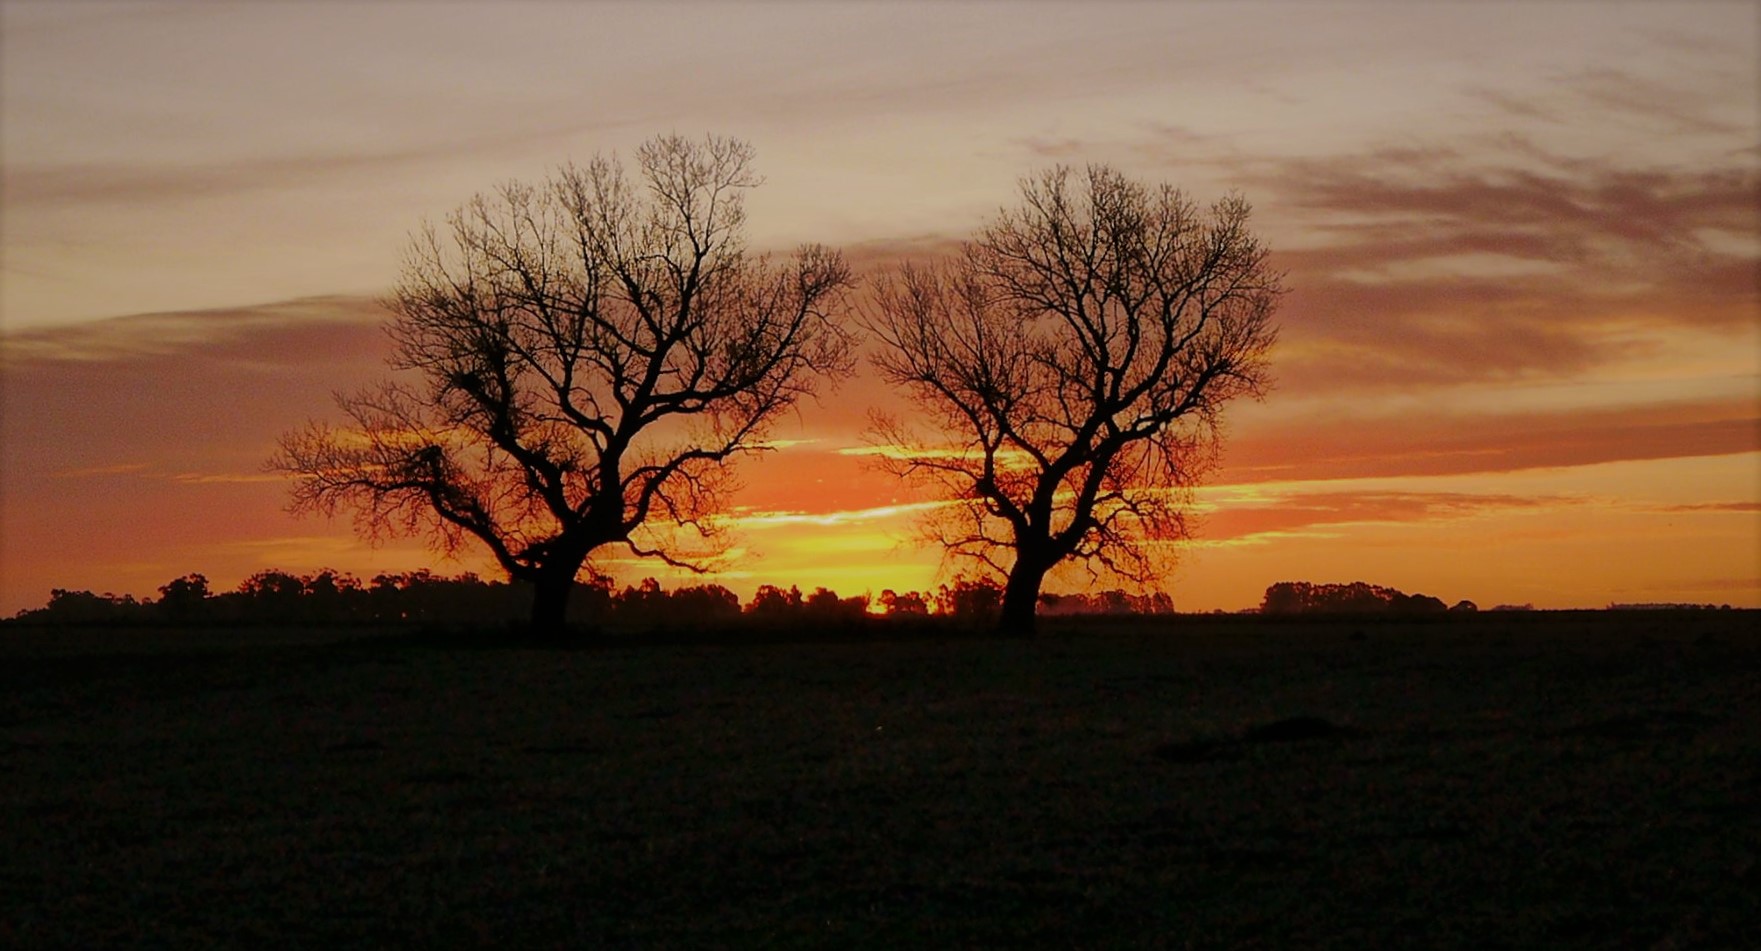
(1021, 599)
(550, 604)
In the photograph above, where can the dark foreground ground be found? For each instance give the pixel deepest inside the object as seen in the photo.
(1547, 781)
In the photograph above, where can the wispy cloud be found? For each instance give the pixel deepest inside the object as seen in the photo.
(143, 470)
(751, 519)
(1672, 107)
(1744, 506)
(782, 444)
(232, 332)
(225, 478)
(1230, 517)
(1443, 273)
(1427, 442)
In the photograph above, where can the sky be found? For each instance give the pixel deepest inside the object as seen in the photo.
(1520, 361)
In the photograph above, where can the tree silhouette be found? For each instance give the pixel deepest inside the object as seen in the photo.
(903, 604)
(583, 359)
(773, 603)
(1302, 597)
(824, 604)
(184, 598)
(1074, 359)
(969, 600)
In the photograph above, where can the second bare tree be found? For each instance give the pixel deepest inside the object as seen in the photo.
(1073, 360)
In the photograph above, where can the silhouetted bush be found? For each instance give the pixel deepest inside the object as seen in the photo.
(185, 599)
(650, 605)
(273, 597)
(422, 597)
(1106, 602)
(976, 601)
(277, 598)
(84, 607)
(825, 605)
(1302, 597)
(904, 604)
(773, 603)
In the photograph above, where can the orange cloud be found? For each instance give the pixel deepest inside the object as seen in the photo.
(295, 332)
(1715, 507)
(1318, 446)
(1290, 512)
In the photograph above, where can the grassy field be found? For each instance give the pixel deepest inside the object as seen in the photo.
(1559, 781)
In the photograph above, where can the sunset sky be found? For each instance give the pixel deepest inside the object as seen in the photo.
(1520, 361)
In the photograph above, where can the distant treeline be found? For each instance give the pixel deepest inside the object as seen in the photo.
(276, 597)
(1302, 597)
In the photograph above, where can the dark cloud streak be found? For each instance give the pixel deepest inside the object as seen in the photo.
(256, 332)
(1432, 444)
(1444, 273)
(1307, 511)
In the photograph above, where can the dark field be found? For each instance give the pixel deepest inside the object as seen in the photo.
(1576, 780)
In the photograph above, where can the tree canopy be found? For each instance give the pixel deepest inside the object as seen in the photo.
(579, 363)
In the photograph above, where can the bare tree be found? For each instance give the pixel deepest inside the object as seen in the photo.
(582, 361)
(1073, 359)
